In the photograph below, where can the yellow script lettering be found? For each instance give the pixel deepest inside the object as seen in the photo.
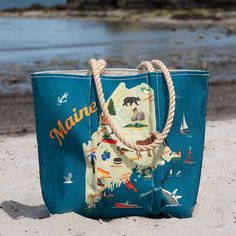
(59, 133)
(62, 130)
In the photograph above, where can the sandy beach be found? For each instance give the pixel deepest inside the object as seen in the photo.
(22, 211)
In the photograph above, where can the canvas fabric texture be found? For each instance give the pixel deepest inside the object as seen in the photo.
(84, 168)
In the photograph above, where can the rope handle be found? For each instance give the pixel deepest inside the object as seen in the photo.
(98, 66)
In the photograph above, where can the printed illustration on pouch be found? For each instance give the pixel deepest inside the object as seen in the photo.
(114, 170)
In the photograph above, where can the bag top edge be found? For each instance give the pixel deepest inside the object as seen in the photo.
(117, 72)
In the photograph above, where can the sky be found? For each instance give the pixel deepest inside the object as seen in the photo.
(24, 3)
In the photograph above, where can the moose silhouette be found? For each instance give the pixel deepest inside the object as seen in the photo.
(146, 141)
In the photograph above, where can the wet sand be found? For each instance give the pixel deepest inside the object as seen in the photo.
(17, 114)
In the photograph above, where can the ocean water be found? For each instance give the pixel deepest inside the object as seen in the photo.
(25, 41)
(4, 4)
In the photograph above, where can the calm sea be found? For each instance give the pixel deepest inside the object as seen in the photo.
(25, 41)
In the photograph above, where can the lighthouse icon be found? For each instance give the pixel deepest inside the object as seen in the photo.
(189, 158)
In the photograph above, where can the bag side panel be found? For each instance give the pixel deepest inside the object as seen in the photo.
(181, 176)
(61, 158)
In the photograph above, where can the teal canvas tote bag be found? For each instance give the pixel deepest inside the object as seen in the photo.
(120, 142)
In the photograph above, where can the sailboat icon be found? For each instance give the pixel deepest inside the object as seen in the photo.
(184, 127)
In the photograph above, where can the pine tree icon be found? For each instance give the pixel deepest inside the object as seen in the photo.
(111, 108)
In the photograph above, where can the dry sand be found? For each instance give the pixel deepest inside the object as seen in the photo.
(22, 210)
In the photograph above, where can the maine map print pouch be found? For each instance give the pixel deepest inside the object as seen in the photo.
(120, 142)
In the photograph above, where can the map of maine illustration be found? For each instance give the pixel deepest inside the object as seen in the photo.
(109, 163)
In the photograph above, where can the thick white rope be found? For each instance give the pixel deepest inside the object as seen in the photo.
(98, 66)
(146, 66)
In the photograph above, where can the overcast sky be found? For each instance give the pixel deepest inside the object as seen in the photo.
(24, 3)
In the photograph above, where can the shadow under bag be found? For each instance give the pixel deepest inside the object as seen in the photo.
(121, 142)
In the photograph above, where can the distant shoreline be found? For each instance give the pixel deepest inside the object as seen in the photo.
(159, 18)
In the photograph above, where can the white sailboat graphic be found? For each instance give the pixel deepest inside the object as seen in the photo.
(184, 127)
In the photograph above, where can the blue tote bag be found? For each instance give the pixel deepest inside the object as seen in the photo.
(120, 142)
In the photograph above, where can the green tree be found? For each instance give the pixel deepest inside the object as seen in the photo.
(111, 108)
